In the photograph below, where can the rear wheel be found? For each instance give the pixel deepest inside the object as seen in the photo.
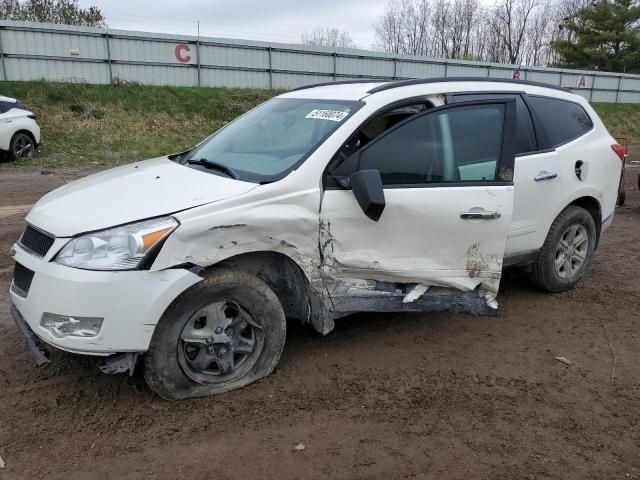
(223, 333)
(22, 146)
(566, 252)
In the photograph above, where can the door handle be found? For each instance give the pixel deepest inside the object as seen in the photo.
(544, 175)
(482, 214)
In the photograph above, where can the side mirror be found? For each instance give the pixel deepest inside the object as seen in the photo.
(367, 188)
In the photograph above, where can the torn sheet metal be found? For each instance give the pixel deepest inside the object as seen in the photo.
(415, 293)
(258, 222)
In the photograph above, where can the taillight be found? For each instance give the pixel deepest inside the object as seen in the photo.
(620, 151)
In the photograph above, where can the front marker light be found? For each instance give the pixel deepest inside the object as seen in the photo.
(119, 248)
(62, 326)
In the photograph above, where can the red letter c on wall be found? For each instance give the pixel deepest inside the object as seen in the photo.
(182, 53)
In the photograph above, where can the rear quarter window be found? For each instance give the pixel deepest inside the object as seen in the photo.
(561, 120)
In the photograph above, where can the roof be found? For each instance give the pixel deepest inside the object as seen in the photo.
(358, 89)
(421, 81)
(335, 90)
(7, 99)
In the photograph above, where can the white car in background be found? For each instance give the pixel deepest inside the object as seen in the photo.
(328, 200)
(19, 131)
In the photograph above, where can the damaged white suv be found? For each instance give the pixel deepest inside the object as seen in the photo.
(327, 200)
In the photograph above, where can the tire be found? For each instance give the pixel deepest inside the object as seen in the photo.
(622, 197)
(554, 272)
(22, 146)
(223, 333)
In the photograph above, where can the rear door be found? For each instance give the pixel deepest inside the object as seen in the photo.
(448, 184)
(531, 163)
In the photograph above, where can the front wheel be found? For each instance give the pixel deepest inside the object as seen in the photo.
(223, 333)
(566, 252)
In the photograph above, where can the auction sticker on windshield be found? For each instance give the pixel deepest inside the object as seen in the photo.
(333, 115)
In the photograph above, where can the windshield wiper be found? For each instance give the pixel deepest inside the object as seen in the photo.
(215, 166)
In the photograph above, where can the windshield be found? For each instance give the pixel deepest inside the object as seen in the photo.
(268, 142)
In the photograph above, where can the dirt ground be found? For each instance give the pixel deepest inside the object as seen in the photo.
(383, 396)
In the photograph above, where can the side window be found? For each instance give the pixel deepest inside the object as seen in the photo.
(562, 120)
(377, 126)
(3, 107)
(452, 145)
(525, 134)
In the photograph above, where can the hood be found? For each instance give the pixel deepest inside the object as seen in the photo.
(127, 194)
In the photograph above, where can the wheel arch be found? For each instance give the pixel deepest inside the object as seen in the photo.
(591, 205)
(288, 281)
(27, 132)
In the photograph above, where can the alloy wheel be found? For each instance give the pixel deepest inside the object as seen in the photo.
(571, 252)
(23, 146)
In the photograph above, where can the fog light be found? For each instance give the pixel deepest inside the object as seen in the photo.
(62, 326)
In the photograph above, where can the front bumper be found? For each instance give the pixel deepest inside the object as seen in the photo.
(130, 302)
(40, 354)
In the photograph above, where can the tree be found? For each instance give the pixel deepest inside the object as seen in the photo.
(510, 22)
(66, 12)
(604, 35)
(463, 29)
(404, 28)
(328, 37)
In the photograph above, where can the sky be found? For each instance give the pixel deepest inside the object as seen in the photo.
(268, 20)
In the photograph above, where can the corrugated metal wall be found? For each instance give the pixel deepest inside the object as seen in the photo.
(34, 51)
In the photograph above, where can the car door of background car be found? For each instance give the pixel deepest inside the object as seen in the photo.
(447, 176)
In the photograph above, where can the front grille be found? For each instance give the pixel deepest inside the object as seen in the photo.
(22, 278)
(36, 241)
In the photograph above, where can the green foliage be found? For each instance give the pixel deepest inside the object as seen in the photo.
(621, 119)
(66, 12)
(607, 37)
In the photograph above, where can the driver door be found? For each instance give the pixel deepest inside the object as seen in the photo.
(447, 177)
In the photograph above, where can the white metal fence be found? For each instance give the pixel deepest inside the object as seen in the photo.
(35, 51)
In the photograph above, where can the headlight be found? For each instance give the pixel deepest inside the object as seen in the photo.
(119, 248)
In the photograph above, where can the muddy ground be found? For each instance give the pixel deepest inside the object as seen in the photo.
(381, 397)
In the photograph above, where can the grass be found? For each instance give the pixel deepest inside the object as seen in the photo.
(105, 125)
(621, 119)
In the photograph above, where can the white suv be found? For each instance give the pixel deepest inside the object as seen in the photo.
(327, 200)
(19, 132)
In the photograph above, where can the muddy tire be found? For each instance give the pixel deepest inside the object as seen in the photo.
(567, 251)
(223, 333)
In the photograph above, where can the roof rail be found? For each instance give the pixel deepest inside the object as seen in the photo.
(421, 81)
(340, 82)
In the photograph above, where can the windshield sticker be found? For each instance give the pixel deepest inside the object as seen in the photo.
(333, 115)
